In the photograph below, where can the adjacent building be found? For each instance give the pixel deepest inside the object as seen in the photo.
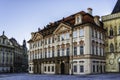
(13, 56)
(6, 54)
(72, 45)
(112, 49)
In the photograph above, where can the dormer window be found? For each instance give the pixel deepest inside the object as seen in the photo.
(78, 19)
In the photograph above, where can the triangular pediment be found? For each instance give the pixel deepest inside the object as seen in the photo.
(62, 28)
(37, 36)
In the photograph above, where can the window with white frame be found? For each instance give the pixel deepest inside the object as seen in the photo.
(78, 19)
(62, 37)
(74, 34)
(62, 52)
(75, 68)
(49, 53)
(58, 52)
(81, 68)
(75, 51)
(67, 35)
(52, 53)
(58, 38)
(49, 41)
(68, 51)
(81, 50)
(82, 32)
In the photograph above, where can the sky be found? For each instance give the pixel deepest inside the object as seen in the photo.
(18, 18)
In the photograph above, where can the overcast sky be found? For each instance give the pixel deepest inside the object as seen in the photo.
(18, 18)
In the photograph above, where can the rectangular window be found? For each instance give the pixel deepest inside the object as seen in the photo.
(67, 35)
(58, 52)
(62, 52)
(49, 41)
(68, 51)
(62, 37)
(52, 53)
(74, 34)
(58, 38)
(45, 54)
(81, 50)
(75, 68)
(97, 68)
(45, 41)
(48, 53)
(93, 49)
(96, 34)
(92, 32)
(81, 68)
(93, 68)
(96, 50)
(75, 51)
(45, 68)
(52, 39)
(52, 68)
(81, 32)
(48, 68)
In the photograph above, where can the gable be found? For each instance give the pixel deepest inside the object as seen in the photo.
(37, 36)
(62, 28)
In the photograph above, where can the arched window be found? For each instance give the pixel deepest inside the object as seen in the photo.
(111, 31)
(111, 47)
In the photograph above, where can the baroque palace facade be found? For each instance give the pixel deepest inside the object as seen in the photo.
(112, 50)
(13, 56)
(72, 45)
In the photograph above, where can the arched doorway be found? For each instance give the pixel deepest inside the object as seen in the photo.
(62, 68)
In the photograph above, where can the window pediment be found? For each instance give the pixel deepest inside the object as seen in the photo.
(62, 28)
(37, 36)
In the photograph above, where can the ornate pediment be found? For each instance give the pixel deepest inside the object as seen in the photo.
(62, 28)
(37, 36)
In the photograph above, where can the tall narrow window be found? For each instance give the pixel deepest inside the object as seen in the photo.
(62, 52)
(111, 31)
(96, 50)
(92, 32)
(93, 50)
(75, 68)
(78, 19)
(81, 50)
(58, 38)
(68, 51)
(52, 39)
(49, 53)
(111, 48)
(93, 68)
(81, 32)
(45, 54)
(49, 41)
(67, 36)
(62, 37)
(74, 34)
(75, 51)
(58, 52)
(81, 68)
(52, 53)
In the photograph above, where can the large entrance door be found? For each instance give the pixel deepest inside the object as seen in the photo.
(62, 68)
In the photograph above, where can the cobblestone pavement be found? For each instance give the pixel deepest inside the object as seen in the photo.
(25, 76)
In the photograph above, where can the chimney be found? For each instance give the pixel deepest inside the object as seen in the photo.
(89, 11)
(97, 20)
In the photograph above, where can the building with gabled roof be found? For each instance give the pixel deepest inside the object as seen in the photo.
(72, 45)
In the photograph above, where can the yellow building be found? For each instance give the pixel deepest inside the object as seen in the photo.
(72, 45)
(112, 26)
